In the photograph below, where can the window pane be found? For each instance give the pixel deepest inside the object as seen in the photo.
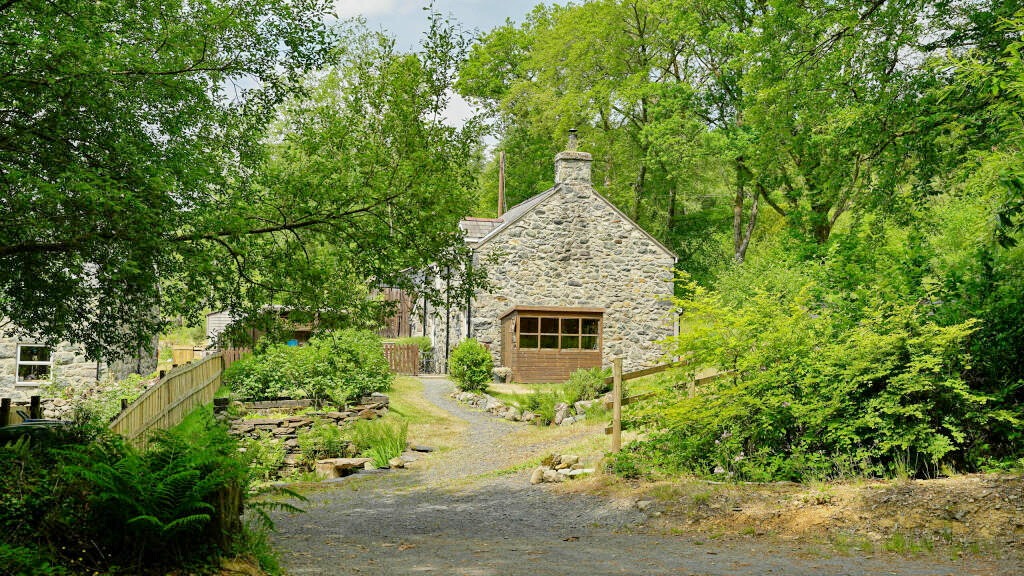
(33, 372)
(550, 341)
(588, 342)
(570, 342)
(34, 354)
(527, 341)
(570, 326)
(528, 325)
(549, 325)
(590, 325)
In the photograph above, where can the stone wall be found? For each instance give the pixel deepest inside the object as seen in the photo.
(575, 250)
(70, 367)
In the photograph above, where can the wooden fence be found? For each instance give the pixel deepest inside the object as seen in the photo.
(171, 399)
(403, 358)
(232, 355)
(618, 377)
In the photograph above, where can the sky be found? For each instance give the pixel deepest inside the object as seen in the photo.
(406, 21)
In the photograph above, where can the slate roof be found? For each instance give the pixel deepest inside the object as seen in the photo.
(476, 228)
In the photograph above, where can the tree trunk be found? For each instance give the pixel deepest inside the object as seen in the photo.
(638, 191)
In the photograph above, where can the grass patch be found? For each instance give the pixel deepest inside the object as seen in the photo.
(428, 424)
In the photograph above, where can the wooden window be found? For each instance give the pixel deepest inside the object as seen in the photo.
(558, 333)
(34, 363)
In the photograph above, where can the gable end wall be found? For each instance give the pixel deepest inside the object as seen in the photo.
(574, 250)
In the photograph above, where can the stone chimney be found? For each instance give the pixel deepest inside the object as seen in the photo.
(572, 165)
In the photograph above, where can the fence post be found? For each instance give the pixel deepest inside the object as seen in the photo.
(5, 412)
(617, 404)
(35, 409)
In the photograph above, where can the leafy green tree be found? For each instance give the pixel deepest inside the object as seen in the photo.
(165, 159)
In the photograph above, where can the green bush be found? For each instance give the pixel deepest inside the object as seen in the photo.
(470, 365)
(587, 384)
(864, 376)
(335, 366)
(264, 454)
(92, 504)
(323, 440)
(422, 342)
(380, 440)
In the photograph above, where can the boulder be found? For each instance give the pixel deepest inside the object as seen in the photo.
(538, 475)
(335, 467)
(367, 414)
(552, 476)
(513, 414)
(582, 406)
(561, 412)
(568, 420)
(396, 462)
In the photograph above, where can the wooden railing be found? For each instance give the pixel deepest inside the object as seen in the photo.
(171, 399)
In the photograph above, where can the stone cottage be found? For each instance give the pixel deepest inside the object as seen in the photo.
(576, 283)
(26, 364)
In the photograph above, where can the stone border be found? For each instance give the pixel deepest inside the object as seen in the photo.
(564, 414)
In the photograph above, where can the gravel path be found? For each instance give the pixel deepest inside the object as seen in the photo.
(445, 518)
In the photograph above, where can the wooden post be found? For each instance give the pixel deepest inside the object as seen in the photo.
(5, 412)
(124, 404)
(35, 409)
(617, 405)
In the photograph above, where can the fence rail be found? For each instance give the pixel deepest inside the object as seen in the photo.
(402, 358)
(171, 399)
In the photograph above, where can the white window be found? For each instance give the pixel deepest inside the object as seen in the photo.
(34, 363)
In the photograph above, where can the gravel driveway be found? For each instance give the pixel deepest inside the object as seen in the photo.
(445, 518)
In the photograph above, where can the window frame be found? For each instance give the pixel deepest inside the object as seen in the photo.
(561, 319)
(18, 363)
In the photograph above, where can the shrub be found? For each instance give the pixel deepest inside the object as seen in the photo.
(587, 384)
(335, 366)
(424, 343)
(264, 454)
(100, 506)
(380, 440)
(470, 365)
(323, 440)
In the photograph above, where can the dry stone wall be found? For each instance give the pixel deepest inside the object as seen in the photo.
(575, 250)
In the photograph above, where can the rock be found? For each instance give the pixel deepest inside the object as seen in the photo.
(513, 414)
(396, 462)
(326, 470)
(582, 406)
(551, 476)
(369, 465)
(538, 475)
(527, 416)
(258, 422)
(421, 448)
(643, 505)
(568, 420)
(569, 460)
(579, 472)
(561, 412)
(493, 404)
(367, 414)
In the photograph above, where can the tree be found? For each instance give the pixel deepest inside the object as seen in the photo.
(137, 179)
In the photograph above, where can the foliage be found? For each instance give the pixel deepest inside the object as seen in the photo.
(25, 561)
(264, 454)
(470, 365)
(248, 154)
(334, 366)
(380, 440)
(116, 162)
(99, 401)
(323, 440)
(90, 503)
(587, 384)
(424, 343)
